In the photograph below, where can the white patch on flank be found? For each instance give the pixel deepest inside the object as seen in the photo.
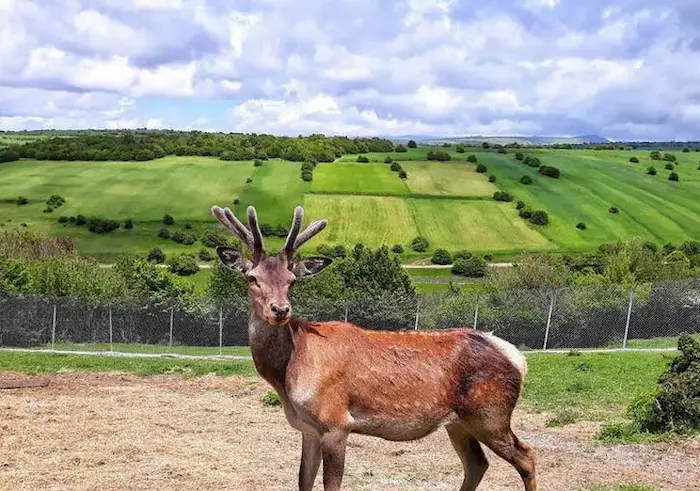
(512, 353)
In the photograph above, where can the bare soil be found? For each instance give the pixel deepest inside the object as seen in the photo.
(122, 432)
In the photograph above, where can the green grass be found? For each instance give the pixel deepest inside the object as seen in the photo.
(349, 178)
(656, 343)
(474, 225)
(447, 179)
(150, 348)
(47, 363)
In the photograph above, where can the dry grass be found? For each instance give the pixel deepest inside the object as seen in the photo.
(113, 432)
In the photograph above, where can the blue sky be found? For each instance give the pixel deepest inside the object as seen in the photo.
(626, 69)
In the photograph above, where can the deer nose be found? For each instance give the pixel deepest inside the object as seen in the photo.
(280, 311)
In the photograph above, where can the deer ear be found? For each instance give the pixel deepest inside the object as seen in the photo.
(232, 258)
(311, 265)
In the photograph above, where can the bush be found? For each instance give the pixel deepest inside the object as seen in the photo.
(257, 163)
(526, 179)
(80, 220)
(164, 233)
(55, 201)
(128, 224)
(472, 158)
(655, 155)
(420, 244)
(178, 237)
(503, 196)
(307, 166)
(673, 177)
(651, 171)
(485, 145)
(48, 209)
(183, 265)
(549, 171)
(362, 159)
(249, 180)
(492, 178)
(614, 210)
(402, 174)
(675, 405)
(481, 169)
(539, 217)
(395, 166)
(669, 166)
(236, 201)
(400, 149)
(271, 399)
(502, 150)
(9, 155)
(156, 255)
(460, 148)
(412, 144)
(520, 205)
(63, 219)
(532, 161)
(474, 267)
(307, 176)
(397, 249)
(669, 157)
(168, 220)
(102, 225)
(581, 226)
(189, 239)
(388, 160)
(205, 254)
(439, 156)
(634, 160)
(22, 201)
(519, 156)
(187, 226)
(525, 212)
(214, 237)
(463, 254)
(441, 256)
(686, 150)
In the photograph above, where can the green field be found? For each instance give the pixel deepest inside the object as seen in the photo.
(447, 179)
(348, 178)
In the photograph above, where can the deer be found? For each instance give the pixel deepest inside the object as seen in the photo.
(335, 379)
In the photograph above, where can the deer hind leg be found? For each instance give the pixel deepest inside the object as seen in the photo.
(310, 461)
(519, 454)
(471, 454)
(333, 444)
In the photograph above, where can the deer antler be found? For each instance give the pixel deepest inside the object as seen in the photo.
(295, 239)
(251, 238)
(258, 250)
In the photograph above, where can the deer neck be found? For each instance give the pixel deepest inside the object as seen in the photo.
(271, 347)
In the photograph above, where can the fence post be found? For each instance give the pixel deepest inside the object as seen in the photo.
(221, 331)
(476, 311)
(346, 311)
(415, 328)
(172, 314)
(111, 347)
(549, 323)
(629, 315)
(53, 329)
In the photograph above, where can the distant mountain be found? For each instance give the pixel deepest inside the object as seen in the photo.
(503, 140)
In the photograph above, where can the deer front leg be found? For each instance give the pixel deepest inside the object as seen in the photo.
(310, 461)
(333, 445)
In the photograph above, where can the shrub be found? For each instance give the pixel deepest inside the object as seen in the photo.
(651, 170)
(526, 179)
(249, 180)
(257, 163)
(48, 209)
(395, 166)
(441, 256)
(362, 159)
(460, 148)
(481, 169)
(168, 220)
(402, 174)
(102, 225)
(492, 178)
(388, 160)
(178, 237)
(63, 219)
(549, 171)
(581, 226)
(439, 156)
(485, 145)
(669, 157)
(412, 144)
(502, 150)
(675, 405)
(474, 267)
(519, 156)
(532, 161)
(189, 239)
(271, 399)
(307, 176)
(463, 254)
(669, 166)
(214, 237)
(307, 166)
(673, 177)
(71, 219)
(128, 224)
(156, 255)
(80, 220)
(187, 226)
(55, 201)
(525, 212)
(420, 244)
(22, 201)
(634, 160)
(164, 233)
(472, 158)
(183, 265)
(539, 217)
(655, 155)
(614, 210)
(400, 149)
(503, 196)
(397, 249)
(205, 254)
(9, 155)
(236, 201)
(520, 205)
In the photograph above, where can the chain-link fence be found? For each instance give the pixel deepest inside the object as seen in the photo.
(599, 316)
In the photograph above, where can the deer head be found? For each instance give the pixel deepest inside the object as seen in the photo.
(270, 277)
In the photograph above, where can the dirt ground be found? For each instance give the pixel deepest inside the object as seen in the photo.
(121, 432)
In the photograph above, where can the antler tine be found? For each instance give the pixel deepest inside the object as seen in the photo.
(294, 230)
(229, 220)
(257, 235)
(310, 231)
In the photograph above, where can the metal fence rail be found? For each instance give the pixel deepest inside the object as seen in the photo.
(599, 316)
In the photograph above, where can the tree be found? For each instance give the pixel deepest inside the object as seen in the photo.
(614, 210)
(485, 145)
(549, 171)
(492, 178)
(156, 255)
(257, 163)
(481, 168)
(526, 179)
(460, 148)
(472, 158)
(395, 166)
(205, 254)
(520, 205)
(397, 249)
(128, 224)
(388, 160)
(420, 244)
(634, 160)
(183, 265)
(22, 200)
(412, 144)
(168, 220)
(581, 225)
(163, 233)
(651, 170)
(9, 155)
(474, 267)
(519, 156)
(502, 196)
(673, 176)
(400, 149)
(539, 217)
(441, 256)
(439, 155)
(669, 157)
(655, 155)
(402, 174)
(368, 273)
(362, 159)
(669, 166)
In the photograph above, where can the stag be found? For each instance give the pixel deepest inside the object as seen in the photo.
(334, 378)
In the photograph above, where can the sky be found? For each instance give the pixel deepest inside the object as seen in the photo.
(623, 69)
